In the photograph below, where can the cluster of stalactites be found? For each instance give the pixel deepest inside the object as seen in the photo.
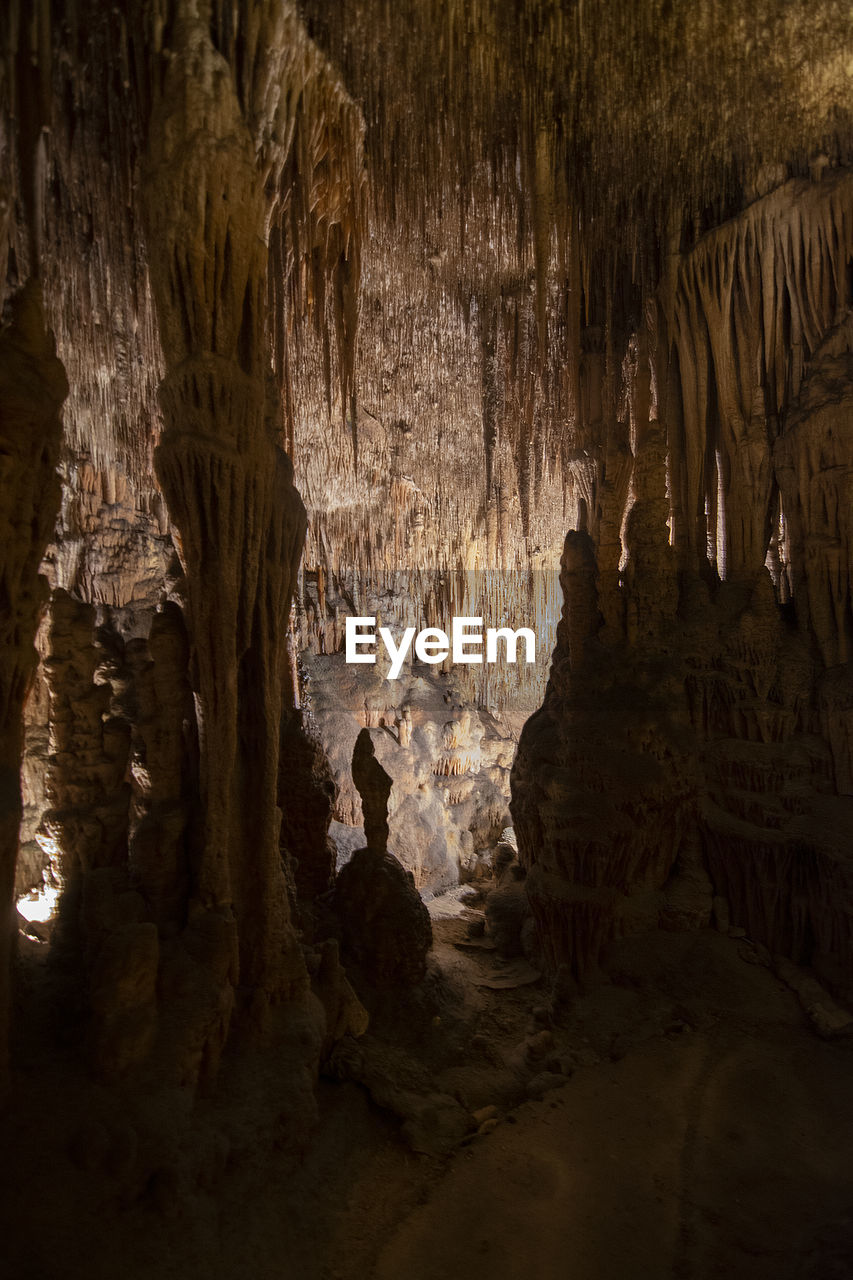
(487, 122)
(75, 92)
(535, 172)
(308, 137)
(748, 310)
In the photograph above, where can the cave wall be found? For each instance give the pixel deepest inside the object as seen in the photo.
(586, 298)
(155, 160)
(703, 690)
(32, 389)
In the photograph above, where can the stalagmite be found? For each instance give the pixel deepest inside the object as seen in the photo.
(32, 389)
(603, 783)
(386, 927)
(228, 486)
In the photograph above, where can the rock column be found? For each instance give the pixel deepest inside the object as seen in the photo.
(230, 494)
(32, 388)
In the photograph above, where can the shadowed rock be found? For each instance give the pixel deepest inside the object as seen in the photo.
(386, 927)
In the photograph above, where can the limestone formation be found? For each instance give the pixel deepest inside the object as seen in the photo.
(701, 721)
(32, 389)
(411, 311)
(450, 780)
(227, 484)
(604, 784)
(507, 911)
(385, 925)
(374, 787)
(306, 797)
(163, 765)
(154, 769)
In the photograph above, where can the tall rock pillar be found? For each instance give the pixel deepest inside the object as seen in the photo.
(32, 388)
(229, 490)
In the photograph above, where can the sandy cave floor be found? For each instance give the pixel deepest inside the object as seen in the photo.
(703, 1130)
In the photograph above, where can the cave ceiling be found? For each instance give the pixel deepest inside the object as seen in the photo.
(472, 198)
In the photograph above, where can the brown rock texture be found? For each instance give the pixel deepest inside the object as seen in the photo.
(374, 787)
(228, 487)
(183, 214)
(604, 781)
(598, 260)
(32, 389)
(531, 311)
(705, 688)
(163, 765)
(448, 759)
(385, 925)
(306, 797)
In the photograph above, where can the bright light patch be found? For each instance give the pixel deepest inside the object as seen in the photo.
(39, 905)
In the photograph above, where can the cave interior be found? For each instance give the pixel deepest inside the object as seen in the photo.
(537, 313)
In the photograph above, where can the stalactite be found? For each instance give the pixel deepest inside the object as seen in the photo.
(812, 461)
(741, 371)
(489, 388)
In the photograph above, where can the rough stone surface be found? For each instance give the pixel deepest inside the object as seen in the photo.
(32, 388)
(422, 287)
(448, 760)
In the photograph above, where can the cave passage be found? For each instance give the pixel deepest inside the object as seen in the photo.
(333, 330)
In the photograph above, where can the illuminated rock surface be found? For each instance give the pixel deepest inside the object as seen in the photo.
(535, 312)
